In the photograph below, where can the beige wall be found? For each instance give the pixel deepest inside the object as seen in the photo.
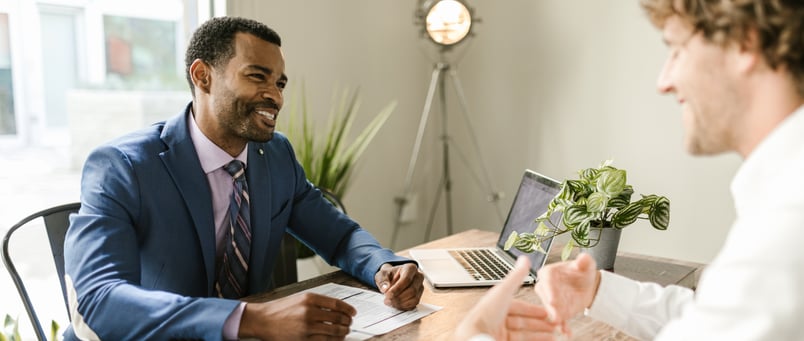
(552, 85)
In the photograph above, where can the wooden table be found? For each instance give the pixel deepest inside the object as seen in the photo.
(456, 302)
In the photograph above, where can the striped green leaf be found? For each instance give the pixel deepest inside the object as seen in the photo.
(626, 215)
(647, 202)
(576, 214)
(622, 199)
(659, 215)
(589, 174)
(580, 234)
(596, 202)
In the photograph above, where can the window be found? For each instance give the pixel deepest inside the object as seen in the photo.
(8, 122)
(142, 54)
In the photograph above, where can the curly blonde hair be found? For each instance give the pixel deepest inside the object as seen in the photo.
(779, 24)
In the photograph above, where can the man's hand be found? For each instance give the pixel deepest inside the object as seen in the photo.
(500, 315)
(567, 288)
(299, 317)
(402, 285)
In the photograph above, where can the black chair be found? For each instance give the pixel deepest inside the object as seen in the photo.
(334, 199)
(290, 249)
(56, 221)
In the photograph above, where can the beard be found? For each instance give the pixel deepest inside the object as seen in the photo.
(238, 117)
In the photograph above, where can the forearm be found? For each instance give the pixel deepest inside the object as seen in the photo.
(127, 312)
(361, 256)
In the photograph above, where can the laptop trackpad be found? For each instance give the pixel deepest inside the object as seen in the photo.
(438, 266)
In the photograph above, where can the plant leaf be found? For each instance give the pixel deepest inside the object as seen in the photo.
(611, 181)
(589, 174)
(11, 328)
(647, 202)
(54, 329)
(576, 187)
(538, 247)
(580, 234)
(576, 214)
(626, 215)
(567, 251)
(596, 202)
(659, 214)
(542, 230)
(510, 241)
(622, 199)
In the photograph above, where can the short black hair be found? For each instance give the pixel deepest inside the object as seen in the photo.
(213, 41)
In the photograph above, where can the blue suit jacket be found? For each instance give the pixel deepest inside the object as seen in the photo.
(141, 251)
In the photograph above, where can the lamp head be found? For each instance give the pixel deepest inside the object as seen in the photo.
(445, 22)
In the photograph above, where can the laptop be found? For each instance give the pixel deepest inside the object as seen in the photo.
(470, 267)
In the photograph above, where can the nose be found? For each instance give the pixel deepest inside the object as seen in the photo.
(274, 93)
(664, 84)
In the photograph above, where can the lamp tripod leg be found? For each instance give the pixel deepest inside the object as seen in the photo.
(494, 195)
(431, 216)
(435, 78)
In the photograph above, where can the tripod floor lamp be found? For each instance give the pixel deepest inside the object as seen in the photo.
(446, 23)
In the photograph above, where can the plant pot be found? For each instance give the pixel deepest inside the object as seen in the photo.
(605, 252)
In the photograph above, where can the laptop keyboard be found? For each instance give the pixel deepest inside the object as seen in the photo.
(482, 264)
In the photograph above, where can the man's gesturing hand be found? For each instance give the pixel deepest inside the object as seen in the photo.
(567, 288)
(402, 285)
(301, 316)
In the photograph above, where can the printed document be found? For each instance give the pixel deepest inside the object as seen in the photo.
(373, 316)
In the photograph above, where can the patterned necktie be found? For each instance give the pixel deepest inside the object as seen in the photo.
(232, 279)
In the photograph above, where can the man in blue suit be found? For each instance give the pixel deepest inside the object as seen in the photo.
(145, 255)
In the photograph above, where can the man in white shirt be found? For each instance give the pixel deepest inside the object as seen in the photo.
(737, 69)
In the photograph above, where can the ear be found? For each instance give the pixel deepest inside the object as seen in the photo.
(201, 74)
(749, 51)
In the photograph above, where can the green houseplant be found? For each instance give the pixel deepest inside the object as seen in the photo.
(597, 202)
(11, 330)
(326, 156)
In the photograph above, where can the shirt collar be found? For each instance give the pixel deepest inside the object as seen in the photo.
(210, 155)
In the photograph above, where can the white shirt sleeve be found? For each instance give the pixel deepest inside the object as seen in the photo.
(752, 291)
(638, 309)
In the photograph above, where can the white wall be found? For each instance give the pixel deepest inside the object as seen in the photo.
(552, 85)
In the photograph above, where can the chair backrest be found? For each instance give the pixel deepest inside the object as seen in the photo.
(285, 270)
(334, 199)
(56, 221)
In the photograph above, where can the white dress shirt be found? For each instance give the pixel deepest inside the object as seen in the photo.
(754, 288)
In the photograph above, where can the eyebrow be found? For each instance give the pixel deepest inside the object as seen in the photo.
(263, 69)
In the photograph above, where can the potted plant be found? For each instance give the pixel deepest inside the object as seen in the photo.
(594, 209)
(327, 158)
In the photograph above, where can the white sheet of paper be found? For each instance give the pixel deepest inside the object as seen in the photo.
(373, 316)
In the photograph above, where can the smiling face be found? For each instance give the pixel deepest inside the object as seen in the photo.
(244, 95)
(701, 75)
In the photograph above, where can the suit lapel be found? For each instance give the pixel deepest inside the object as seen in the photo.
(181, 161)
(258, 175)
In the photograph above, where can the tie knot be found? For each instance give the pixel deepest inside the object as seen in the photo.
(234, 168)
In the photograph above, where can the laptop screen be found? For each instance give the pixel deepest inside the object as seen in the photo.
(534, 194)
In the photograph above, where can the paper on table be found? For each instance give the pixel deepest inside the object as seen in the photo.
(373, 316)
